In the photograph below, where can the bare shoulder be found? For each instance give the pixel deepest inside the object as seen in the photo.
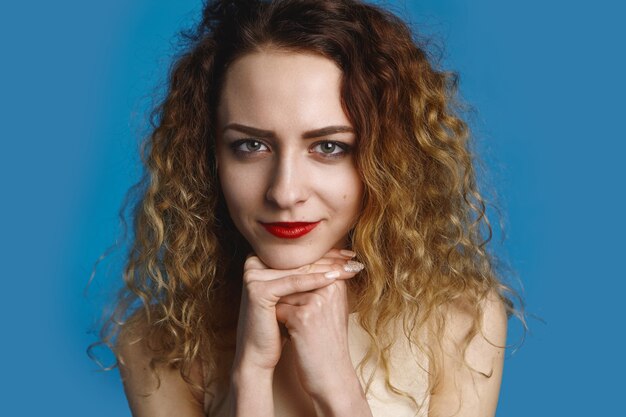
(472, 359)
(490, 330)
(154, 389)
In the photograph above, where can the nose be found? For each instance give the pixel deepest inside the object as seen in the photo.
(288, 183)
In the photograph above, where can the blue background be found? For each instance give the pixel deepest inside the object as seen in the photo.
(546, 79)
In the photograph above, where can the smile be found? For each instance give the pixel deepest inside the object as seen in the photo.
(289, 230)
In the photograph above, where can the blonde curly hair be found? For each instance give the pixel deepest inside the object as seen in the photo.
(423, 231)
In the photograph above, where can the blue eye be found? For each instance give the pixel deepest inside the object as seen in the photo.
(248, 146)
(331, 149)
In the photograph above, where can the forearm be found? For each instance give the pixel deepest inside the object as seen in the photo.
(251, 393)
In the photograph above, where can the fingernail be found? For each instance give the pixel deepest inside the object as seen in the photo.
(353, 266)
(348, 253)
(332, 274)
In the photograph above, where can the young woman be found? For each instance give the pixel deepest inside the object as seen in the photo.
(310, 240)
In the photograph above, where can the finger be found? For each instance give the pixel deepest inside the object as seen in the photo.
(284, 312)
(328, 261)
(336, 255)
(348, 266)
(320, 266)
(332, 259)
(256, 270)
(298, 299)
(281, 287)
(293, 317)
(341, 272)
(340, 253)
(274, 274)
(253, 262)
(339, 287)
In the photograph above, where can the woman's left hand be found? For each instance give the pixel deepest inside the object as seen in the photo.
(317, 322)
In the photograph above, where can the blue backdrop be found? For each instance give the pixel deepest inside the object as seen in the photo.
(546, 79)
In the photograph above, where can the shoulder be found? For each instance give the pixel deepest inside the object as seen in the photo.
(132, 346)
(472, 358)
(488, 317)
(153, 387)
(477, 329)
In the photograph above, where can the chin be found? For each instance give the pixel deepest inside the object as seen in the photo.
(287, 258)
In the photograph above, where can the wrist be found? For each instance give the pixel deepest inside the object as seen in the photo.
(345, 400)
(244, 374)
(251, 392)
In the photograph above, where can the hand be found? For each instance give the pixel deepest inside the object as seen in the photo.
(317, 323)
(259, 342)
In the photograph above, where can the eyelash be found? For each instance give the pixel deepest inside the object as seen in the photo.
(345, 148)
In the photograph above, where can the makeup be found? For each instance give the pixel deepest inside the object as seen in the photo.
(289, 230)
(353, 266)
(287, 157)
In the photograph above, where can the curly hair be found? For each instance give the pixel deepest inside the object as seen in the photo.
(423, 231)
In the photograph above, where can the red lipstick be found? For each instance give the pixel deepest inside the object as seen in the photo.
(289, 230)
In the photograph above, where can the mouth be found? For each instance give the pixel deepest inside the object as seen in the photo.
(289, 230)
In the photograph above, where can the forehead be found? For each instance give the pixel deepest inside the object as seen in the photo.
(273, 89)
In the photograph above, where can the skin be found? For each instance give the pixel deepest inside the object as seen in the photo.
(285, 154)
(286, 176)
(300, 167)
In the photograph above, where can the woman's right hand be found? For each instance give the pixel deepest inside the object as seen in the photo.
(259, 340)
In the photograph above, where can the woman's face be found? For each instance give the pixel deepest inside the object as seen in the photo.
(285, 156)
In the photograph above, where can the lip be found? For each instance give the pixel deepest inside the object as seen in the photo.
(290, 230)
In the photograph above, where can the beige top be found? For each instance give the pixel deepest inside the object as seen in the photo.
(408, 373)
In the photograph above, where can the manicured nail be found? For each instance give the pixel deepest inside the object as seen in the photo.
(332, 274)
(353, 266)
(348, 253)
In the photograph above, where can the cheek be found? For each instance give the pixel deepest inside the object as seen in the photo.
(231, 188)
(234, 193)
(356, 197)
(346, 191)
(241, 191)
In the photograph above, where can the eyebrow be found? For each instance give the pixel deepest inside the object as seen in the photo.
(324, 131)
